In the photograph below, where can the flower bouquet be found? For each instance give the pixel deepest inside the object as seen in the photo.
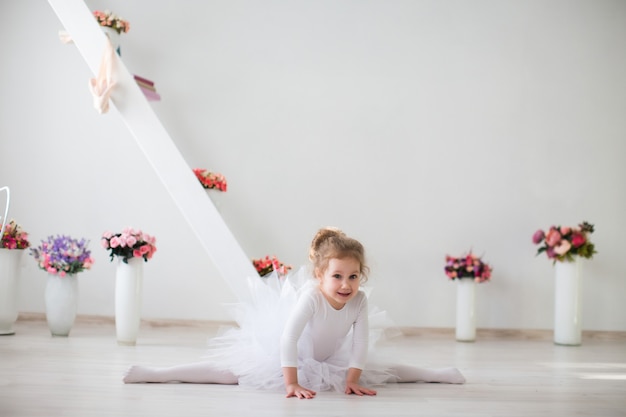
(567, 245)
(475, 270)
(111, 20)
(14, 237)
(13, 241)
(562, 243)
(210, 180)
(468, 266)
(63, 255)
(129, 244)
(265, 266)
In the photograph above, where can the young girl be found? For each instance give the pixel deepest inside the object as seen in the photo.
(304, 336)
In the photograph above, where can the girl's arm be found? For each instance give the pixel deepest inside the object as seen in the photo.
(360, 342)
(291, 384)
(360, 335)
(303, 311)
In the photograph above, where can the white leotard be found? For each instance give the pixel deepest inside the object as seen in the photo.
(328, 327)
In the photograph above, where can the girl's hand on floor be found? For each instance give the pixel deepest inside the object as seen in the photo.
(295, 390)
(353, 388)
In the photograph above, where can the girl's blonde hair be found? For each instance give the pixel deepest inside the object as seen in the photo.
(331, 243)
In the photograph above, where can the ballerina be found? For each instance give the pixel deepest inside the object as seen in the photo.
(321, 344)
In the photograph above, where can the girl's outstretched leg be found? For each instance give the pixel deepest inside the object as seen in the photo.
(406, 373)
(194, 373)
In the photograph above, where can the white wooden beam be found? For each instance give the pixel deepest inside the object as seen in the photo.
(181, 183)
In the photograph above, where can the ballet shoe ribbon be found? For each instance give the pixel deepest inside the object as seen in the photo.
(102, 85)
(65, 37)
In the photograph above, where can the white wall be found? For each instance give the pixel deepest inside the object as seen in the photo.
(420, 127)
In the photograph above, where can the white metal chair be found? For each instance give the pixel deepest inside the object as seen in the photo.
(6, 210)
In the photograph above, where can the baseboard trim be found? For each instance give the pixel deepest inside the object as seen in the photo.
(108, 320)
(517, 334)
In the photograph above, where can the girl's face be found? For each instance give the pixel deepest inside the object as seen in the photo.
(340, 282)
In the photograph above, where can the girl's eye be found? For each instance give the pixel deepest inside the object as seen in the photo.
(337, 276)
(354, 276)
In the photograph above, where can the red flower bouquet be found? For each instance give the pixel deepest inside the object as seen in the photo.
(211, 180)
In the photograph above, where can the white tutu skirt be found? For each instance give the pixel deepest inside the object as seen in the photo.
(251, 351)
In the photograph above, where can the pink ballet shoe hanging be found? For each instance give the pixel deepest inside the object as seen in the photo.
(101, 86)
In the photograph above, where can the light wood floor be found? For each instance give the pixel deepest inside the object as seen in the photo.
(509, 374)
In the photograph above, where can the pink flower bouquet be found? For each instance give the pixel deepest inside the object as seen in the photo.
(111, 20)
(265, 266)
(129, 244)
(562, 243)
(211, 180)
(468, 266)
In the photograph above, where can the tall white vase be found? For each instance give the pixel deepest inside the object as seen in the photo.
(568, 303)
(9, 283)
(61, 297)
(465, 310)
(128, 288)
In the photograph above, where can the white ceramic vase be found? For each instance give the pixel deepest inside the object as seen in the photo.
(114, 37)
(465, 310)
(217, 197)
(61, 297)
(568, 303)
(128, 289)
(9, 283)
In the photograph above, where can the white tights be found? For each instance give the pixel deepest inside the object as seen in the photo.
(207, 373)
(406, 373)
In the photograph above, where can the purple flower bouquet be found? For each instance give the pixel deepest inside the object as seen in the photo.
(62, 255)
